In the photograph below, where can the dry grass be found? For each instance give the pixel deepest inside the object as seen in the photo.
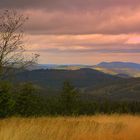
(99, 127)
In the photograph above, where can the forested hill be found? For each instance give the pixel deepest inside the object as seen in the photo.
(93, 84)
(54, 78)
(123, 90)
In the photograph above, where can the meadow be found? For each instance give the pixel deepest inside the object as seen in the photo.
(98, 127)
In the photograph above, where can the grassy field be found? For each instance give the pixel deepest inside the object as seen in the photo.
(100, 127)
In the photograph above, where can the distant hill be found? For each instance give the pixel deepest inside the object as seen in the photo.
(54, 78)
(112, 65)
(56, 66)
(119, 68)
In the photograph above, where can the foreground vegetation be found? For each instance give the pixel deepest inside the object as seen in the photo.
(25, 100)
(99, 127)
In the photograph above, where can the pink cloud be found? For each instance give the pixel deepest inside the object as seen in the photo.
(81, 31)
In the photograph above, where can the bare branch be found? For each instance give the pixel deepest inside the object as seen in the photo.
(12, 52)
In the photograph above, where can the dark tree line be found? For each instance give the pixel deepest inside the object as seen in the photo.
(26, 100)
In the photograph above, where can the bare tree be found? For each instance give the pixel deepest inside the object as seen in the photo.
(12, 51)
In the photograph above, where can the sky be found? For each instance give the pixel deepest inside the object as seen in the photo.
(81, 31)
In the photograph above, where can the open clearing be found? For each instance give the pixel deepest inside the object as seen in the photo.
(99, 127)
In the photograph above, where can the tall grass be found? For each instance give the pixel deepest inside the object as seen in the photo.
(100, 127)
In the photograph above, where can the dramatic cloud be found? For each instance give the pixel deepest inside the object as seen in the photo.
(108, 29)
(65, 5)
(79, 16)
(109, 21)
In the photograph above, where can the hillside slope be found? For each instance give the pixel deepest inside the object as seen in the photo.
(124, 90)
(55, 78)
(115, 68)
(93, 84)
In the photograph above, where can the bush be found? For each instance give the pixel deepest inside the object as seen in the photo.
(28, 102)
(7, 102)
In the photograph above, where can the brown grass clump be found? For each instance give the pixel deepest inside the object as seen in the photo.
(99, 127)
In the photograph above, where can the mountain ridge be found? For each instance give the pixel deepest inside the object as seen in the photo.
(124, 69)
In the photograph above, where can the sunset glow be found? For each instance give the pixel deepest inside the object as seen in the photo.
(79, 31)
